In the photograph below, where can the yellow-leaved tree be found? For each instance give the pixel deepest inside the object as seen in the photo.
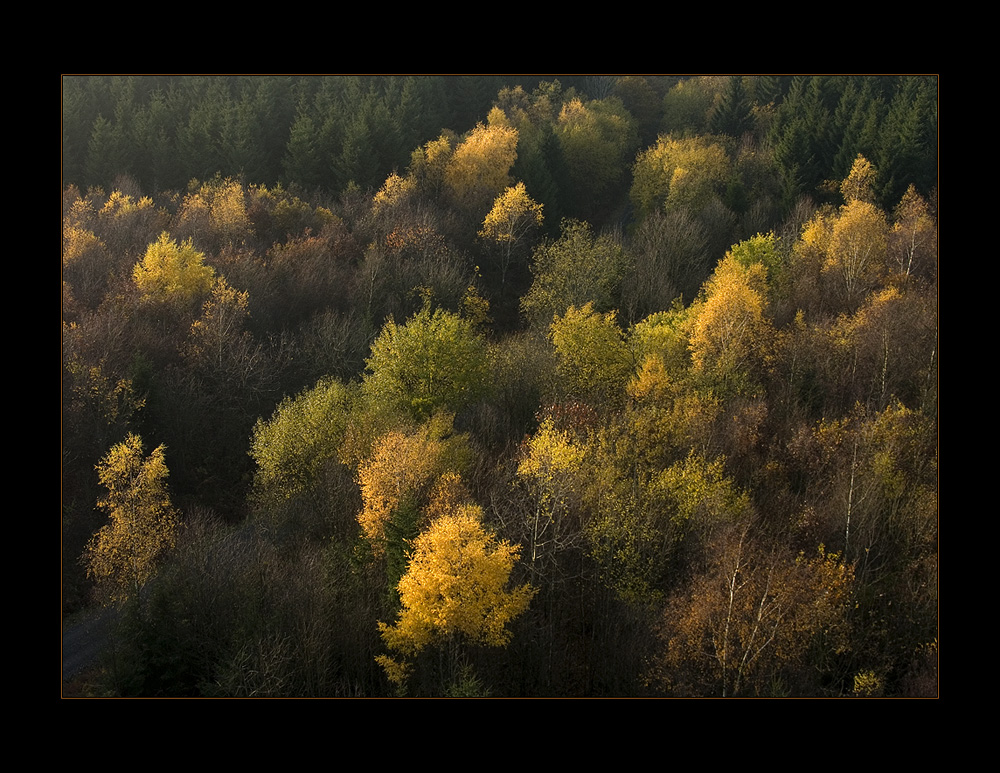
(678, 172)
(122, 556)
(593, 361)
(402, 466)
(455, 590)
(479, 168)
(173, 272)
(731, 332)
(513, 217)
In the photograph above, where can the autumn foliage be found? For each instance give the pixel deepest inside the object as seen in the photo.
(503, 384)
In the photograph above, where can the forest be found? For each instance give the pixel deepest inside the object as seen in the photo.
(537, 386)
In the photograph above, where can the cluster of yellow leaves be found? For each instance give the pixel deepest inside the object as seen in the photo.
(849, 246)
(120, 205)
(552, 455)
(479, 169)
(858, 247)
(171, 271)
(142, 525)
(93, 391)
(78, 242)
(404, 465)
(456, 584)
(513, 213)
(867, 684)
(698, 490)
(218, 206)
(859, 185)
(677, 172)
(730, 327)
(393, 192)
(223, 315)
(913, 241)
(593, 359)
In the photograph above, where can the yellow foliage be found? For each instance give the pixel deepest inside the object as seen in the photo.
(698, 490)
(448, 494)
(858, 247)
(860, 182)
(914, 234)
(403, 465)
(223, 315)
(594, 361)
(730, 327)
(78, 242)
(171, 271)
(218, 207)
(867, 684)
(394, 191)
(677, 172)
(142, 525)
(120, 205)
(456, 585)
(552, 455)
(652, 382)
(479, 169)
(513, 213)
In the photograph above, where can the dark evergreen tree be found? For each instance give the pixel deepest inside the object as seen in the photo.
(732, 116)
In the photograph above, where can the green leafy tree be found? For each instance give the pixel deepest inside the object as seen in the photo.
(436, 360)
(572, 271)
(597, 139)
(122, 556)
(297, 449)
(593, 358)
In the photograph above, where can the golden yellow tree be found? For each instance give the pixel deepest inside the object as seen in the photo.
(552, 469)
(858, 252)
(730, 328)
(513, 217)
(455, 589)
(859, 185)
(122, 556)
(479, 169)
(401, 469)
(173, 272)
(913, 242)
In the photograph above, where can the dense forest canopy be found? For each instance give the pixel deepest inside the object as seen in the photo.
(502, 385)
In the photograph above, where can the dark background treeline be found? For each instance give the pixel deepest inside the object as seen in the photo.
(324, 208)
(329, 131)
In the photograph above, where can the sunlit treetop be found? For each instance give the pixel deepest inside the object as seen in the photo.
(173, 272)
(436, 360)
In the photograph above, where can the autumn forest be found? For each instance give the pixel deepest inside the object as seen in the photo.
(501, 385)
